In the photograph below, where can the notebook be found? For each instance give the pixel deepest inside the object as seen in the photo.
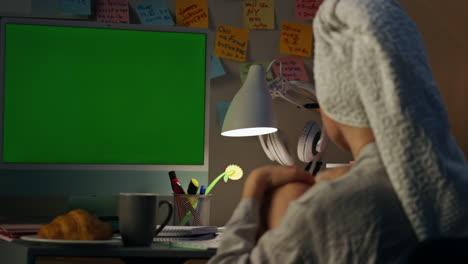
(185, 231)
(202, 242)
(183, 238)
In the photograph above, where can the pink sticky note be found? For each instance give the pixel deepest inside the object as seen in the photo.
(112, 11)
(306, 9)
(292, 68)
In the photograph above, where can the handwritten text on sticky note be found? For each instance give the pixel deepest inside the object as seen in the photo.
(154, 13)
(112, 11)
(259, 14)
(231, 42)
(306, 9)
(192, 13)
(296, 39)
(292, 68)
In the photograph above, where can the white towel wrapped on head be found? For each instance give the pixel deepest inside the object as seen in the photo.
(371, 70)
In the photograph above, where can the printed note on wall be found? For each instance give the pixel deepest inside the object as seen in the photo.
(296, 39)
(244, 70)
(154, 12)
(216, 68)
(192, 13)
(112, 11)
(259, 14)
(231, 42)
(75, 7)
(292, 68)
(307, 9)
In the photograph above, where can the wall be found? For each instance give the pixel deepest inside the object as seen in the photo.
(443, 29)
(443, 26)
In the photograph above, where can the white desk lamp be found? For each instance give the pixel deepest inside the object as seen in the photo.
(251, 111)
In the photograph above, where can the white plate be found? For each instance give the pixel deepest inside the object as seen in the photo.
(35, 238)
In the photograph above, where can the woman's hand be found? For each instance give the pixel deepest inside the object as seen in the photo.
(265, 179)
(263, 183)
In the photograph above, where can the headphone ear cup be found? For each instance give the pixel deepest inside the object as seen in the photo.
(307, 143)
(301, 143)
(264, 142)
(281, 150)
(324, 140)
(272, 148)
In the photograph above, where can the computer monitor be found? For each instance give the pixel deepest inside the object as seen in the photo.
(94, 108)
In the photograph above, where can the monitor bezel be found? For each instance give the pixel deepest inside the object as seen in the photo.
(106, 167)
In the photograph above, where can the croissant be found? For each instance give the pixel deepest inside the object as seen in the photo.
(77, 224)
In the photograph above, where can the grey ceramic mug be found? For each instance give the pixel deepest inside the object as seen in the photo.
(137, 218)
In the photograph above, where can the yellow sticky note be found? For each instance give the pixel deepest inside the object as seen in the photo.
(231, 42)
(296, 39)
(192, 13)
(259, 14)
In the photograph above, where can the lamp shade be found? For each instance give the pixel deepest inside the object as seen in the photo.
(251, 111)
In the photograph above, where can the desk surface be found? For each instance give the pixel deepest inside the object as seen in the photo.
(24, 252)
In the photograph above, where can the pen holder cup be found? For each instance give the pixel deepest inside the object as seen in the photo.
(192, 210)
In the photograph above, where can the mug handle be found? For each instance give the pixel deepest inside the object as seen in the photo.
(168, 218)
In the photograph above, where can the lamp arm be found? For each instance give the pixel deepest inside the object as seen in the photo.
(290, 99)
(271, 64)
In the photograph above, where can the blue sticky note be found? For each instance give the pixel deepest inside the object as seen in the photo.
(44, 7)
(154, 13)
(217, 68)
(75, 7)
(157, 4)
(223, 106)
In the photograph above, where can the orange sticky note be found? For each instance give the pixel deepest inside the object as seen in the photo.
(296, 39)
(231, 42)
(292, 68)
(192, 13)
(307, 9)
(259, 14)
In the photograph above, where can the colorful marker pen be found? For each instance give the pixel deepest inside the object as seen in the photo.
(193, 186)
(176, 187)
(202, 189)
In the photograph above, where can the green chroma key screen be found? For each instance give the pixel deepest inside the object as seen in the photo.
(103, 96)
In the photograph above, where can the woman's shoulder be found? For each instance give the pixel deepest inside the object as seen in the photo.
(347, 191)
(361, 182)
(332, 173)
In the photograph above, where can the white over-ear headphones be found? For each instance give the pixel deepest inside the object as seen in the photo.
(312, 141)
(310, 146)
